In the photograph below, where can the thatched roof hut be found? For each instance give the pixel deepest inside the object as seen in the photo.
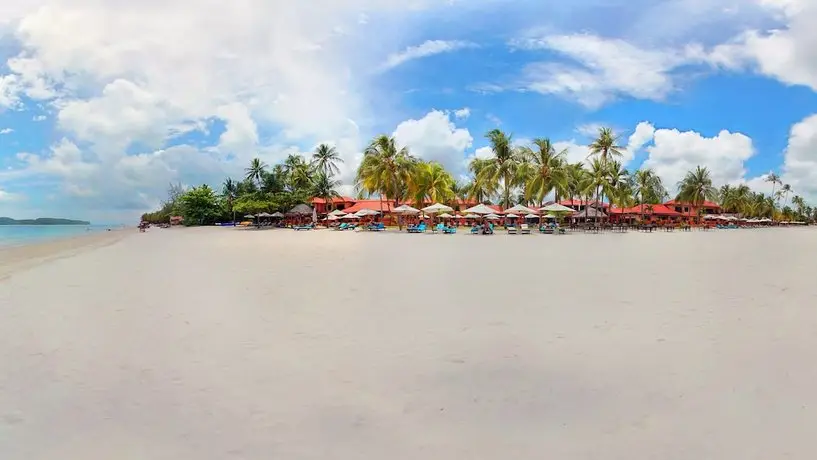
(589, 213)
(300, 210)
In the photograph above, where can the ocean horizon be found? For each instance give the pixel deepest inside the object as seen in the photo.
(21, 235)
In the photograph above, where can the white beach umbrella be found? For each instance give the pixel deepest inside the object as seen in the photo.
(350, 217)
(520, 209)
(555, 207)
(550, 216)
(531, 216)
(276, 214)
(511, 215)
(249, 216)
(492, 217)
(366, 212)
(710, 217)
(405, 209)
(437, 208)
(472, 216)
(263, 214)
(332, 217)
(445, 215)
(480, 209)
(338, 213)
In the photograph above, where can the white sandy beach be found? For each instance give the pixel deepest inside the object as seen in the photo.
(227, 344)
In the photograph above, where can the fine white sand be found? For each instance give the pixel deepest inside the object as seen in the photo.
(228, 344)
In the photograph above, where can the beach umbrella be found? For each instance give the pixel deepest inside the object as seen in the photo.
(480, 209)
(249, 216)
(531, 216)
(437, 208)
(263, 214)
(332, 217)
(445, 215)
(492, 216)
(472, 216)
(405, 209)
(555, 207)
(338, 213)
(520, 209)
(277, 214)
(366, 212)
(350, 217)
(550, 216)
(511, 215)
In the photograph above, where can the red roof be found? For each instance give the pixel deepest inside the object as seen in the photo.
(581, 203)
(374, 205)
(336, 200)
(649, 209)
(706, 204)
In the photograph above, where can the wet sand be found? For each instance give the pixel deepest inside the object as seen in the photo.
(229, 344)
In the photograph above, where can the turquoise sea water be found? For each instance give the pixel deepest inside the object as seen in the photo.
(18, 235)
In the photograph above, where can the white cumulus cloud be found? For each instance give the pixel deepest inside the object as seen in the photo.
(435, 138)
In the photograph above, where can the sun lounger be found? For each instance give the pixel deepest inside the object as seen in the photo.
(418, 229)
(475, 230)
(342, 226)
(303, 227)
(449, 230)
(524, 229)
(378, 227)
(438, 228)
(546, 229)
(511, 230)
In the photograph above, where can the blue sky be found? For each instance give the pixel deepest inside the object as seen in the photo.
(103, 105)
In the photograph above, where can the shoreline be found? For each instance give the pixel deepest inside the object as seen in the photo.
(19, 257)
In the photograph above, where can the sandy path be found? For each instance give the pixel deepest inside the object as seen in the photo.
(222, 344)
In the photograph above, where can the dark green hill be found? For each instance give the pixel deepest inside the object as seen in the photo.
(42, 221)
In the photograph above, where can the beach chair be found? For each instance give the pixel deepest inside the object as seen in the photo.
(438, 228)
(546, 229)
(450, 230)
(342, 226)
(378, 227)
(511, 230)
(524, 229)
(418, 229)
(475, 230)
(303, 227)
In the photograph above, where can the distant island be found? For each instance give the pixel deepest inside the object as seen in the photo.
(42, 221)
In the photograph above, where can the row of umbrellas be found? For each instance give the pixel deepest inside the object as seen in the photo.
(483, 210)
(734, 219)
(264, 214)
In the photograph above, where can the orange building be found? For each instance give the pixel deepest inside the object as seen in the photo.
(688, 210)
(341, 203)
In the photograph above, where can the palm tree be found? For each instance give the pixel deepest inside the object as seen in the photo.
(598, 174)
(229, 190)
(577, 180)
(430, 181)
(800, 205)
(323, 186)
(503, 167)
(774, 179)
(480, 189)
(544, 170)
(605, 147)
(696, 187)
(325, 160)
(646, 184)
(255, 171)
(385, 169)
(785, 189)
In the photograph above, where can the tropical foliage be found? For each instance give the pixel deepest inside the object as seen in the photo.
(262, 189)
(511, 173)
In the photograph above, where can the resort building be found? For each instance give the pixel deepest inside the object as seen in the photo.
(341, 203)
(688, 209)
